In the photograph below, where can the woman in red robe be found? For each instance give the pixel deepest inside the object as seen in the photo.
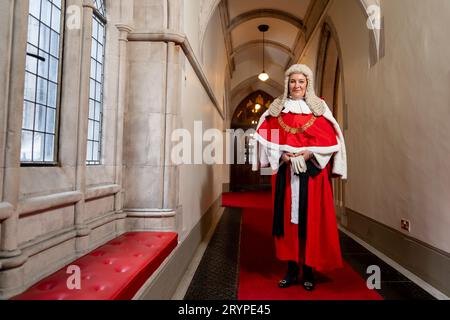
(302, 142)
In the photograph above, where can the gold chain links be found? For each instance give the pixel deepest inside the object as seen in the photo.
(302, 129)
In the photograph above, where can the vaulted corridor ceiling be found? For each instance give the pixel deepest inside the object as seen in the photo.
(291, 24)
(285, 19)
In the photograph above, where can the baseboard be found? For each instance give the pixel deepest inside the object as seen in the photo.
(423, 261)
(164, 282)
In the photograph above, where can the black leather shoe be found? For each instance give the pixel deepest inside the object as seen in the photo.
(308, 279)
(291, 276)
(288, 281)
(309, 285)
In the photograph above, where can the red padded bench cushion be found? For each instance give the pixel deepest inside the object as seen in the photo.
(114, 271)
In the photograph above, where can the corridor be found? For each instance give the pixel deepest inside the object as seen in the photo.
(136, 164)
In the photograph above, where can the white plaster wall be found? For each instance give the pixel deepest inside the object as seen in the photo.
(201, 185)
(398, 139)
(191, 27)
(214, 56)
(310, 56)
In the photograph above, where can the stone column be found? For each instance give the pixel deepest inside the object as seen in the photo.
(173, 101)
(18, 26)
(144, 139)
(14, 23)
(124, 30)
(150, 179)
(83, 231)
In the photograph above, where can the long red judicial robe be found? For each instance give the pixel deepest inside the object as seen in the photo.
(322, 249)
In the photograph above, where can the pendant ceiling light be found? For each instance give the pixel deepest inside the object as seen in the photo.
(263, 76)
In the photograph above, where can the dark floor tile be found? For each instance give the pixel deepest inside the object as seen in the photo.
(394, 285)
(403, 291)
(361, 261)
(350, 246)
(216, 277)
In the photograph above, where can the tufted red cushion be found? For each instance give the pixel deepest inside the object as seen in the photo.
(115, 271)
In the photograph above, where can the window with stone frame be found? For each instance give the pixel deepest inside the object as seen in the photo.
(96, 84)
(42, 82)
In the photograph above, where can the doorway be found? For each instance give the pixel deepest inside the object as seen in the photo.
(246, 117)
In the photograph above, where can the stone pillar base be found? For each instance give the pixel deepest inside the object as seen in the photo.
(11, 282)
(151, 220)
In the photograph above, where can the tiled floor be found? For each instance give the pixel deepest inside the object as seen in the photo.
(394, 285)
(216, 276)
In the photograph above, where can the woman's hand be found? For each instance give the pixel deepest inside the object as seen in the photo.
(286, 157)
(307, 155)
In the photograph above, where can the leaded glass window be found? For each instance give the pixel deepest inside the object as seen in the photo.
(96, 81)
(43, 61)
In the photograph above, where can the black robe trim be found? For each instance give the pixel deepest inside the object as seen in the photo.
(280, 190)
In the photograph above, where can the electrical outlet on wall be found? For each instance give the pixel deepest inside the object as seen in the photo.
(406, 225)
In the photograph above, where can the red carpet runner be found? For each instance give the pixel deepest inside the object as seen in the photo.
(260, 271)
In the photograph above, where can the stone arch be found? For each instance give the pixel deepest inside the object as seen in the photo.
(208, 7)
(330, 67)
(267, 13)
(244, 118)
(268, 43)
(329, 33)
(248, 86)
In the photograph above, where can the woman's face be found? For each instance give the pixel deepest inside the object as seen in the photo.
(297, 86)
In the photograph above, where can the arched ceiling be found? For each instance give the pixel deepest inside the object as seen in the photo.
(296, 8)
(288, 21)
(292, 23)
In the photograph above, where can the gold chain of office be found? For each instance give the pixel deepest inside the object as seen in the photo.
(302, 129)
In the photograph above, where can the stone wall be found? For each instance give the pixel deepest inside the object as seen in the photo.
(50, 215)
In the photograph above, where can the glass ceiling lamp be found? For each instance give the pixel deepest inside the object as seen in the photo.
(263, 76)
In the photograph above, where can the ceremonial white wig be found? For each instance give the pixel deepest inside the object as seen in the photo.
(316, 104)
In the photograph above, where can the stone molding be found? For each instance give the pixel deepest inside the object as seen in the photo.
(267, 13)
(150, 213)
(102, 191)
(44, 203)
(267, 43)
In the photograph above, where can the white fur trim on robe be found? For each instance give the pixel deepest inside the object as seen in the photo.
(270, 153)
